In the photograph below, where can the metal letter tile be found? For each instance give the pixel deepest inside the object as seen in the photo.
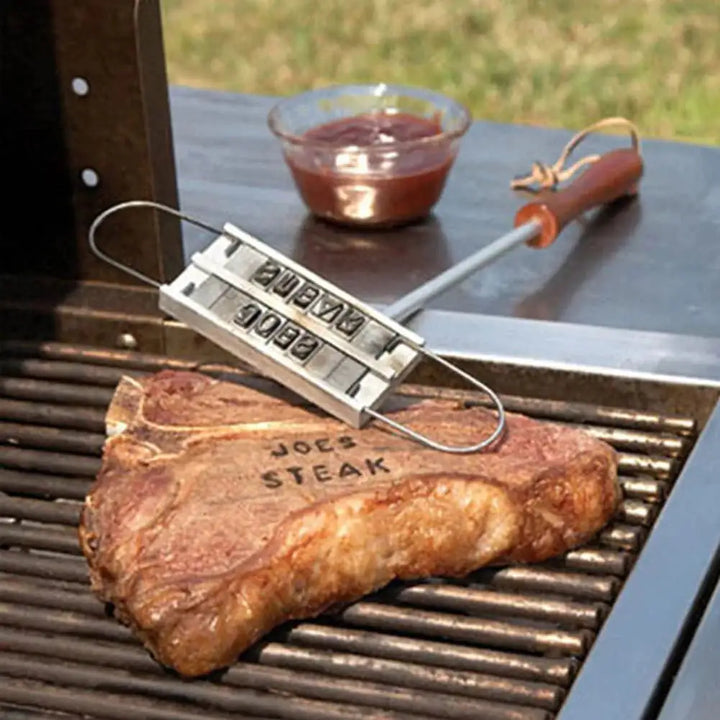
(306, 296)
(266, 273)
(287, 336)
(328, 308)
(350, 322)
(248, 313)
(305, 347)
(287, 283)
(268, 324)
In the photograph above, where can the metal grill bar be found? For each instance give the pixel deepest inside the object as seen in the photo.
(41, 538)
(27, 593)
(60, 513)
(537, 694)
(596, 561)
(624, 537)
(62, 622)
(95, 652)
(473, 630)
(555, 582)
(422, 652)
(47, 486)
(39, 436)
(55, 392)
(49, 462)
(636, 512)
(61, 416)
(480, 601)
(541, 670)
(47, 583)
(551, 670)
(657, 467)
(75, 372)
(69, 569)
(503, 643)
(647, 489)
(92, 355)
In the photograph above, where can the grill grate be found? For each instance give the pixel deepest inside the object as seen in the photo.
(501, 644)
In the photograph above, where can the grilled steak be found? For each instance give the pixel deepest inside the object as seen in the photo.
(220, 512)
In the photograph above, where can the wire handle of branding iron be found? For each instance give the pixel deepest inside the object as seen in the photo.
(500, 425)
(411, 340)
(100, 219)
(548, 177)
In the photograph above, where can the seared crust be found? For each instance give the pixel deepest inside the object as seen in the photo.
(220, 512)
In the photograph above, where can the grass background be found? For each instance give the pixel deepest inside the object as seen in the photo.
(558, 62)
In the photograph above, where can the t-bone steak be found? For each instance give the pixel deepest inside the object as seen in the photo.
(221, 511)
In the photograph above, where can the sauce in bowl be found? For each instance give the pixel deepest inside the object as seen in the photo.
(380, 168)
(378, 128)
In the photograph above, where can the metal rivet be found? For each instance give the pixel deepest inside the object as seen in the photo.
(90, 178)
(80, 86)
(126, 341)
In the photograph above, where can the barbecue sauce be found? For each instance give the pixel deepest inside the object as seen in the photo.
(383, 178)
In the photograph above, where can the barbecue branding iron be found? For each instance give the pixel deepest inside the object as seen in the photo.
(321, 342)
(296, 327)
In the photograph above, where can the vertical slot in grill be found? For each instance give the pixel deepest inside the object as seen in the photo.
(501, 644)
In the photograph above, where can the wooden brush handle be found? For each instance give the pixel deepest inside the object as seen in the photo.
(614, 175)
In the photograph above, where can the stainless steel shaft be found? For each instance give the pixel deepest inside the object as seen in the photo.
(406, 306)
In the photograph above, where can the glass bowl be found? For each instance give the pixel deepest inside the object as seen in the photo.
(369, 155)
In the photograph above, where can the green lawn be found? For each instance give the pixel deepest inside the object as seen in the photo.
(558, 62)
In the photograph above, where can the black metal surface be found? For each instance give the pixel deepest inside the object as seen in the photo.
(502, 644)
(119, 128)
(33, 149)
